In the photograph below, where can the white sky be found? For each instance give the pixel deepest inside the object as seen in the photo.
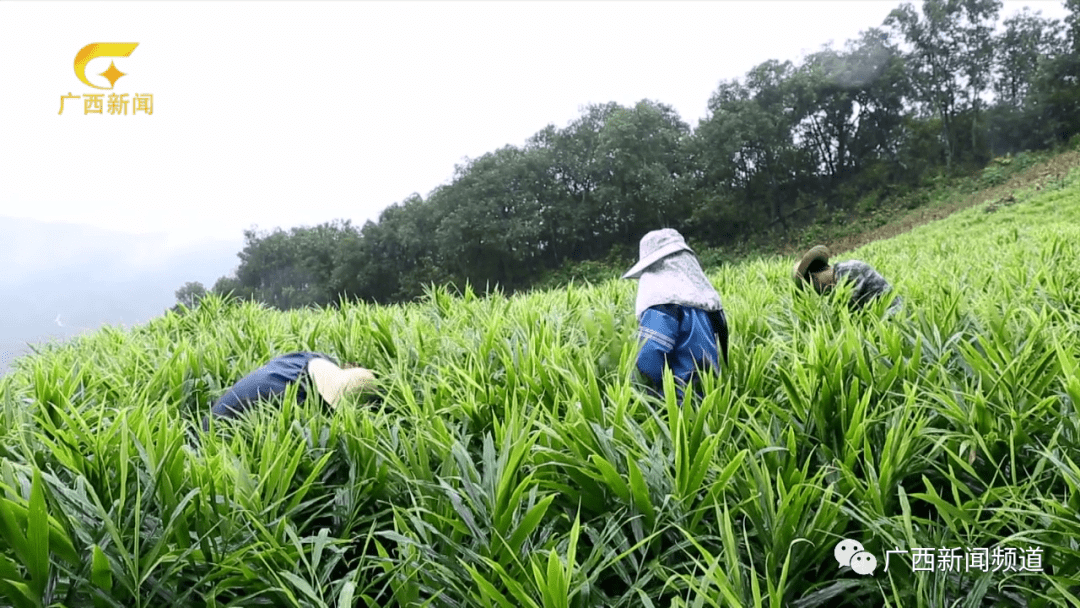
(296, 113)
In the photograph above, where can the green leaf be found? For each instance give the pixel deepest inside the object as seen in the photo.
(345, 598)
(37, 536)
(528, 524)
(100, 570)
(640, 493)
(611, 477)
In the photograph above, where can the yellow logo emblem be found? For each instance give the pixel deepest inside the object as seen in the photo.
(103, 49)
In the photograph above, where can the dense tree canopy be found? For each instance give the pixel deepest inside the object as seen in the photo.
(189, 294)
(939, 88)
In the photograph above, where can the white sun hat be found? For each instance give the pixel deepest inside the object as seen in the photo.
(656, 246)
(333, 382)
(669, 273)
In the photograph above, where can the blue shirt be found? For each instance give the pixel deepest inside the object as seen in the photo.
(682, 338)
(268, 381)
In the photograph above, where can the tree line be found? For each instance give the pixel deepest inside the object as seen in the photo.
(936, 91)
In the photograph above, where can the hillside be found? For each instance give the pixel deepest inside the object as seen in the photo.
(515, 461)
(994, 184)
(870, 220)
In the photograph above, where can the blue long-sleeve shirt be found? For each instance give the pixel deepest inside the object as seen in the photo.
(680, 337)
(268, 381)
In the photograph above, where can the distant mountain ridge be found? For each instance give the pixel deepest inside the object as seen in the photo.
(59, 279)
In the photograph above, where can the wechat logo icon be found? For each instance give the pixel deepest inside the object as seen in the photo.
(850, 553)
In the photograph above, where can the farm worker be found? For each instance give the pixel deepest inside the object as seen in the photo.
(680, 317)
(814, 269)
(330, 381)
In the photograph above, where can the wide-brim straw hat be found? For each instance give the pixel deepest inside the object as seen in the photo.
(814, 261)
(654, 247)
(333, 382)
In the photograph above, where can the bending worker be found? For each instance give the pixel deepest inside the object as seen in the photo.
(331, 383)
(814, 269)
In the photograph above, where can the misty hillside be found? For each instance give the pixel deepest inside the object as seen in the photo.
(59, 279)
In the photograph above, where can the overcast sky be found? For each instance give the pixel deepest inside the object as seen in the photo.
(295, 113)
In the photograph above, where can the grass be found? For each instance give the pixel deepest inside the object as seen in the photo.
(514, 460)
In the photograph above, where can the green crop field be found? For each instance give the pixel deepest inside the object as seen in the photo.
(514, 460)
